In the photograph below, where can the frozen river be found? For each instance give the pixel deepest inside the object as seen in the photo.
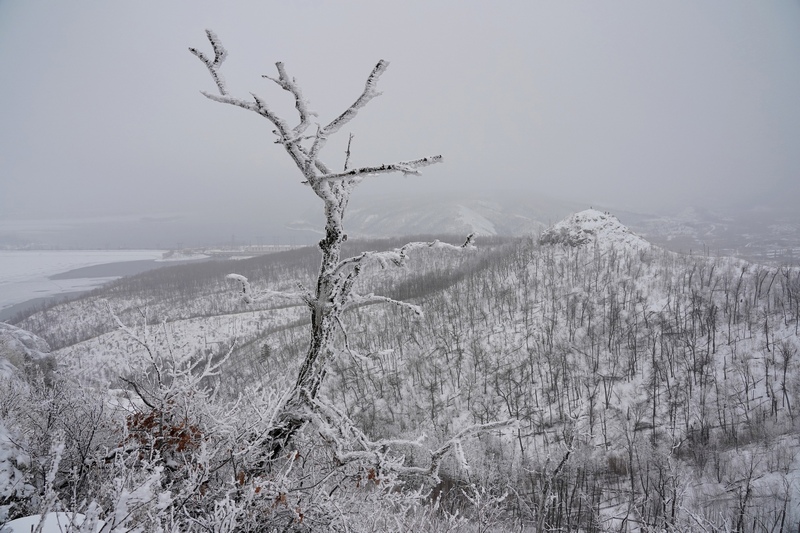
(28, 274)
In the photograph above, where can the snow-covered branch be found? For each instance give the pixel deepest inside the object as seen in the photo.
(301, 104)
(143, 341)
(356, 300)
(398, 256)
(454, 445)
(337, 428)
(248, 297)
(344, 284)
(257, 106)
(306, 157)
(406, 167)
(336, 124)
(368, 94)
(213, 65)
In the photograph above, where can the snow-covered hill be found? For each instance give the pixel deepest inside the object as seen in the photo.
(592, 227)
(641, 368)
(658, 387)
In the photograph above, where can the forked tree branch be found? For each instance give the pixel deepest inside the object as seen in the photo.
(301, 104)
(336, 124)
(213, 65)
(306, 157)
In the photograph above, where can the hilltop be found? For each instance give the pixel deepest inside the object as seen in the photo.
(592, 227)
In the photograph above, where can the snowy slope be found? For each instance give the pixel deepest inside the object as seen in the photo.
(100, 360)
(52, 523)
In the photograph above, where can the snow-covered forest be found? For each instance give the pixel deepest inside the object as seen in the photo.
(582, 379)
(651, 391)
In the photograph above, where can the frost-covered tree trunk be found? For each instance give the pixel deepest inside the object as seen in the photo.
(333, 293)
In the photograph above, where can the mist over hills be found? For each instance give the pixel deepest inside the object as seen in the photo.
(762, 234)
(753, 232)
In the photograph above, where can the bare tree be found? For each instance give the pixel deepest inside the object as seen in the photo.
(334, 292)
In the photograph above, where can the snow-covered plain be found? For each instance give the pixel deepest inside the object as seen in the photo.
(24, 274)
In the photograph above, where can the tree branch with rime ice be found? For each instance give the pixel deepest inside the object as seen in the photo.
(306, 157)
(248, 297)
(213, 65)
(334, 291)
(356, 300)
(406, 167)
(398, 256)
(351, 444)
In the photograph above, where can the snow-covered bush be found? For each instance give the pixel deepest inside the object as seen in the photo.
(15, 489)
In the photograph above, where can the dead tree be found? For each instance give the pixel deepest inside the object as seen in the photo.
(333, 293)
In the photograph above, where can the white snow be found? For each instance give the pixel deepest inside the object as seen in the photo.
(53, 523)
(115, 353)
(24, 273)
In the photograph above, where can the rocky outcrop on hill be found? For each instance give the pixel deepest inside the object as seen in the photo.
(592, 227)
(23, 352)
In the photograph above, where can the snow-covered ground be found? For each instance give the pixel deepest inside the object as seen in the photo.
(91, 363)
(53, 523)
(24, 274)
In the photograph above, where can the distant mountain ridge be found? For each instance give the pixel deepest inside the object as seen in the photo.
(752, 233)
(500, 213)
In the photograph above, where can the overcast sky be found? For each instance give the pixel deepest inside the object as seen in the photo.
(640, 105)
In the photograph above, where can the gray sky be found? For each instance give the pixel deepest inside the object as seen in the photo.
(640, 105)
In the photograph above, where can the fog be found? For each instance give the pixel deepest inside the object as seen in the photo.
(643, 106)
